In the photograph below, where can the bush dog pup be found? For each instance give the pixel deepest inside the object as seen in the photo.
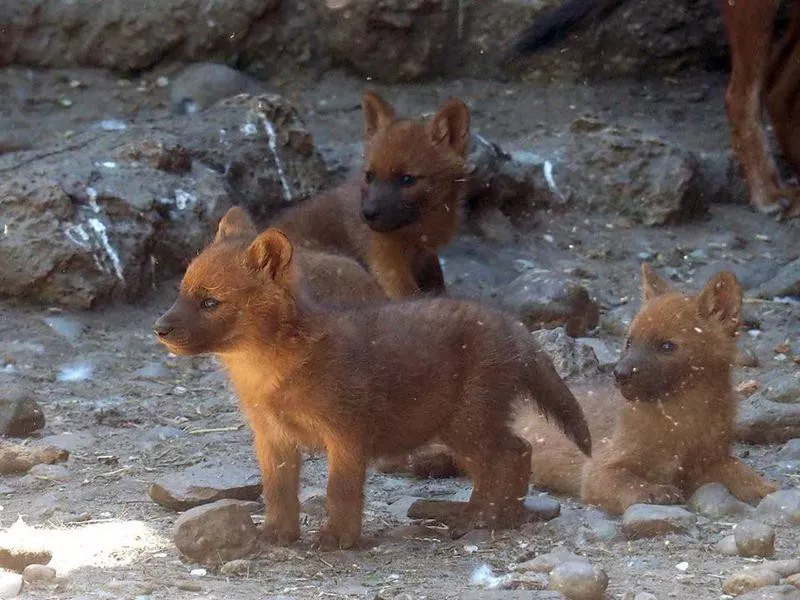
(406, 206)
(668, 426)
(330, 278)
(363, 382)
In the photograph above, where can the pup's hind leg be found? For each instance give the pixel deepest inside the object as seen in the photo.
(499, 465)
(742, 481)
(347, 466)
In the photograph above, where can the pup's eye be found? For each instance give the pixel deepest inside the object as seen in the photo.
(407, 180)
(210, 303)
(369, 176)
(667, 346)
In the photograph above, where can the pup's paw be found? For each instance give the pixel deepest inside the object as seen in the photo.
(331, 539)
(279, 535)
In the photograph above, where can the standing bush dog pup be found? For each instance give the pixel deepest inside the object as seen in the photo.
(363, 382)
(405, 208)
(676, 429)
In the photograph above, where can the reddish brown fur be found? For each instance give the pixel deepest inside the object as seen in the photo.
(362, 383)
(669, 428)
(774, 78)
(414, 217)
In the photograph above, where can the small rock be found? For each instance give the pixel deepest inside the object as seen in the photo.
(569, 357)
(727, 546)
(748, 580)
(606, 357)
(784, 568)
(650, 520)
(784, 388)
(754, 539)
(20, 414)
(544, 563)
(17, 559)
(16, 458)
(10, 584)
(203, 485)
(579, 581)
(772, 414)
(794, 580)
(772, 592)
(713, 500)
(778, 507)
(52, 473)
(38, 573)
(219, 532)
(790, 450)
(201, 85)
(240, 566)
(645, 596)
(785, 283)
(542, 507)
(545, 300)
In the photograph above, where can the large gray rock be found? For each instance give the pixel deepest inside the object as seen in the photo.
(570, 357)
(392, 40)
(772, 414)
(263, 34)
(612, 168)
(639, 38)
(106, 213)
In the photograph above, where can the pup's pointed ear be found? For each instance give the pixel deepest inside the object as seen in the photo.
(652, 283)
(451, 126)
(235, 223)
(721, 300)
(271, 253)
(377, 113)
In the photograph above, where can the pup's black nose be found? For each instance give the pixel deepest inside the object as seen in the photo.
(161, 328)
(622, 373)
(370, 213)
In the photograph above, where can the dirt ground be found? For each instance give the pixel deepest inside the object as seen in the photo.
(130, 413)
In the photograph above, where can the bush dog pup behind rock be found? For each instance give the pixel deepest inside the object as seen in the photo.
(406, 206)
(363, 382)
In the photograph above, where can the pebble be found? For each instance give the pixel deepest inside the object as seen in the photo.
(651, 520)
(38, 573)
(781, 507)
(579, 580)
(727, 546)
(219, 532)
(239, 566)
(544, 563)
(754, 539)
(794, 580)
(713, 500)
(784, 568)
(645, 596)
(542, 507)
(10, 584)
(748, 580)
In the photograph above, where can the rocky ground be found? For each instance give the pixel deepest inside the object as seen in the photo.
(130, 414)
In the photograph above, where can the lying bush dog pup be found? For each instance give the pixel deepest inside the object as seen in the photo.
(365, 382)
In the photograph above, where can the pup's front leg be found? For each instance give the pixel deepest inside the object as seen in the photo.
(742, 481)
(347, 468)
(280, 471)
(615, 488)
(390, 266)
